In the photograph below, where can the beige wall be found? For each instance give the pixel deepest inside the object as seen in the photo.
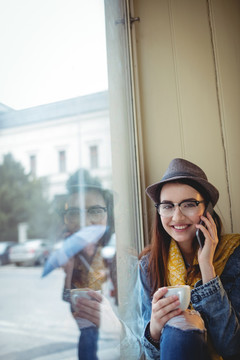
(187, 63)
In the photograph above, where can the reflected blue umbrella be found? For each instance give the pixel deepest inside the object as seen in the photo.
(73, 245)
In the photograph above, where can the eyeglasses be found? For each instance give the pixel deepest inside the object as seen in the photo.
(187, 207)
(94, 213)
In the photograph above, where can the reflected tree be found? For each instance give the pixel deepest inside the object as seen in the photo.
(22, 200)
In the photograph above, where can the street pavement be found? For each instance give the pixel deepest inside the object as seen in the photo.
(34, 321)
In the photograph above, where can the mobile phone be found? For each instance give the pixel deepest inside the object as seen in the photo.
(199, 234)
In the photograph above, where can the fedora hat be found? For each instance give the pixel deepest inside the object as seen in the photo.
(183, 169)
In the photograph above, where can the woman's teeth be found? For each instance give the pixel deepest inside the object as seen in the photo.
(180, 227)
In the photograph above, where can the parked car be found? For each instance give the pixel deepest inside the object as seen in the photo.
(31, 252)
(4, 251)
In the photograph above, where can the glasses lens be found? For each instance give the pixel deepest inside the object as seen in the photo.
(73, 213)
(166, 209)
(189, 207)
(96, 213)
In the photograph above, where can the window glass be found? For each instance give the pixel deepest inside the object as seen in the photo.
(69, 207)
(33, 164)
(93, 150)
(62, 161)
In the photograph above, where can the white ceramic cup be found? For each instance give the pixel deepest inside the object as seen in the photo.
(183, 292)
(80, 293)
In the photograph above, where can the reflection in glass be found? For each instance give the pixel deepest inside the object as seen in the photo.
(57, 187)
(88, 204)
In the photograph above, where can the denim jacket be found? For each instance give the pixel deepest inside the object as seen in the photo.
(218, 302)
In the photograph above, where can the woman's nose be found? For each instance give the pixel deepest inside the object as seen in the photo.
(177, 214)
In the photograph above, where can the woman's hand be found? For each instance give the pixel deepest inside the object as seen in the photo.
(99, 311)
(206, 254)
(89, 309)
(163, 309)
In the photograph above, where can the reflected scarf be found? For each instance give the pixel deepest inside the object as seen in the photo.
(179, 275)
(89, 274)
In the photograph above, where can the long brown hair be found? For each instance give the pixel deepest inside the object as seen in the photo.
(158, 249)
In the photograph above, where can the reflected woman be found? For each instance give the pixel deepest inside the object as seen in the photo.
(174, 257)
(87, 205)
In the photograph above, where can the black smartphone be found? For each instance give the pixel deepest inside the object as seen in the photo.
(199, 234)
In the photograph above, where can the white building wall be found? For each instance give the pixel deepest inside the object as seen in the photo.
(72, 134)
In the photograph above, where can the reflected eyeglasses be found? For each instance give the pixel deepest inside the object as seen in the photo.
(94, 213)
(187, 207)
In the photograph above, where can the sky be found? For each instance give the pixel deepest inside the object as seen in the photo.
(51, 50)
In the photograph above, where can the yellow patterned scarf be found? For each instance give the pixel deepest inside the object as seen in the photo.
(178, 274)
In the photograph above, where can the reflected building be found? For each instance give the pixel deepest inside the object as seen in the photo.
(56, 139)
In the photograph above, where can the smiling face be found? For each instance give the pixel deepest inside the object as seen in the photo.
(87, 200)
(179, 226)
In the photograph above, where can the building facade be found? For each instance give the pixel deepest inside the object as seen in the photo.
(55, 140)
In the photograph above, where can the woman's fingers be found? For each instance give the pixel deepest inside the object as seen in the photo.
(210, 233)
(162, 303)
(169, 315)
(93, 318)
(88, 309)
(95, 295)
(211, 226)
(87, 305)
(163, 310)
(206, 254)
(166, 305)
(159, 294)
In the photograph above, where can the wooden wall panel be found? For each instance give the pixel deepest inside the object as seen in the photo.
(188, 95)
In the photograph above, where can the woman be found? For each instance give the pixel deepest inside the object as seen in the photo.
(87, 205)
(174, 258)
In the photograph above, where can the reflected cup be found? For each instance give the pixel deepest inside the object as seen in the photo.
(80, 293)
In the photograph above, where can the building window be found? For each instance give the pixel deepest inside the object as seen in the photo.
(33, 164)
(62, 161)
(93, 156)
